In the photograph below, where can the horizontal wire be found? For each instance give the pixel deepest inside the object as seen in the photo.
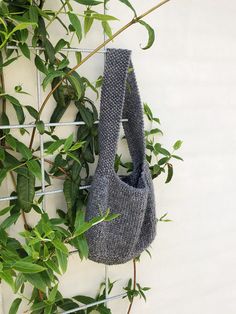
(119, 296)
(28, 126)
(63, 49)
(10, 198)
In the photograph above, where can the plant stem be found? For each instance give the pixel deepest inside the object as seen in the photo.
(57, 13)
(134, 285)
(41, 4)
(2, 142)
(132, 22)
(36, 158)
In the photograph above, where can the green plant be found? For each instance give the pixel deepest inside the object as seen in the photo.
(42, 254)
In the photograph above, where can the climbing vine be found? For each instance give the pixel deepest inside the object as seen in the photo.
(39, 255)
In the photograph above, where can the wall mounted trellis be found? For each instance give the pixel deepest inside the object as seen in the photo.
(42, 161)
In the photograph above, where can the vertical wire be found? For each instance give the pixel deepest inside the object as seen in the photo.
(39, 101)
(106, 267)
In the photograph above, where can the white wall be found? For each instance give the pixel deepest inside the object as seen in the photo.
(188, 78)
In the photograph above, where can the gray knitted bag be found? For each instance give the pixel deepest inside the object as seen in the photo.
(132, 196)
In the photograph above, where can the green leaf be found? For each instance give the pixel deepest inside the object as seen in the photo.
(49, 51)
(34, 167)
(59, 245)
(76, 84)
(9, 221)
(78, 56)
(84, 299)
(51, 76)
(111, 217)
(86, 115)
(151, 34)
(177, 145)
(5, 210)
(22, 26)
(99, 81)
(161, 150)
(81, 244)
(25, 50)
(163, 160)
(177, 157)
(36, 280)
(90, 85)
(38, 306)
(104, 17)
(76, 25)
(54, 146)
(170, 173)
(60, 44)
(64, 63)
(2, 154)
(154, 131)
(40, 127)
(25, 189)
(33, 112)
(62, 260)
(3, 174)
(68, 142)
(19, 282)
(148, 112)
(76, 146)
(79, 219)
(9, 61)
(83, 228)
(52, 294)
(88, 21)
(15, 306)
(7, 277)
(24, 150)
(11, 141)
(107, 28)
(27, 268)
(17, 107)
(126, 2)
(88, 2)
(53, 265)
(33, 13)
(73, 157)
(40, 65)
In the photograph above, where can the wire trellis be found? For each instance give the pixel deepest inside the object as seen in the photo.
(42, 161)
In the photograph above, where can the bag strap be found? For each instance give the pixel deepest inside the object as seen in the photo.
(120, 99)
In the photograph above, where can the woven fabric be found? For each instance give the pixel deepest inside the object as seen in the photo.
(132, 196)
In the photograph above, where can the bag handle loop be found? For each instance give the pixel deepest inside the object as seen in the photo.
(120, 99)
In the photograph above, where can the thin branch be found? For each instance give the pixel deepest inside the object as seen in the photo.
(134, 285)
(121, 30)
(57, 13)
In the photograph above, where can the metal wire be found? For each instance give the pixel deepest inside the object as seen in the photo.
(10, 198)
(32, 125)
(73, 49)
(119, 296)
(39, 100)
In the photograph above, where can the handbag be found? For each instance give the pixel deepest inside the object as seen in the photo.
(132, 196)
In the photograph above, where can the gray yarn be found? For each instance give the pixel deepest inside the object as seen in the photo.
(125, 237)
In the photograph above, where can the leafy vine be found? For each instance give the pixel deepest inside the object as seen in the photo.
(41, 255)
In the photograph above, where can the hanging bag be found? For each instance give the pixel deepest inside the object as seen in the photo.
(131, 196)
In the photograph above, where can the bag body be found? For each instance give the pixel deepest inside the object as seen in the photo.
(131, 196)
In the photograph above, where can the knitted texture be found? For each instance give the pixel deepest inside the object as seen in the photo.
(132, 196)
